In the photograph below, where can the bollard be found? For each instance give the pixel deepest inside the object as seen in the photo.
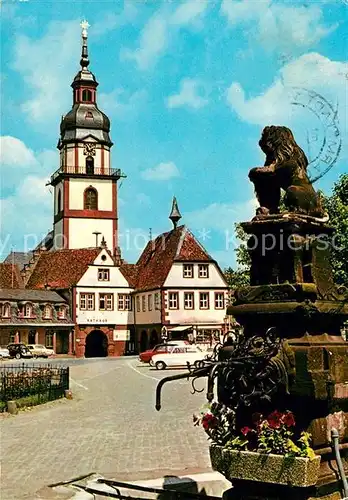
(12, 407)
(68, 394)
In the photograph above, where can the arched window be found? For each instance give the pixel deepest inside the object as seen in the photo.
(28, 310)
(89, 165)
(91, 199)
(62, 312)
(47, 314)
(59, 201)
(86, 95)
(89, 115)
(6, 310)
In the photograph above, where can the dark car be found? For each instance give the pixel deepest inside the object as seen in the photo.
(19, 351)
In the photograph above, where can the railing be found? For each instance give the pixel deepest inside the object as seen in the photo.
(37, 382)
(110, 172)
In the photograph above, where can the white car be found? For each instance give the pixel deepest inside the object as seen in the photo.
(4, 353)
(40, 351)
(179, 356)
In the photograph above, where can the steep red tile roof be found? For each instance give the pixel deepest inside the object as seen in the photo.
(61, 268)
(130, 272)
(10, 276)
(158, 256)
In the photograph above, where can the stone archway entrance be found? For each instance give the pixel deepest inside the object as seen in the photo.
(96, 345)
(143, 341)
(153, 339)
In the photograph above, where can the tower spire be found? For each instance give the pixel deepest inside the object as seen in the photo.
(175, 214)
(84, 56)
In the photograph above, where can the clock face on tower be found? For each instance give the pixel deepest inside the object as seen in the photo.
(89, 148)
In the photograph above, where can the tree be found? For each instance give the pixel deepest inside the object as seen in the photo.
(337, 208)
(240, 276)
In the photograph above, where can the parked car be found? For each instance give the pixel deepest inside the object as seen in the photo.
(146, 356)
(4, 353)
(19, 351)
(179, 356)
(40, 351)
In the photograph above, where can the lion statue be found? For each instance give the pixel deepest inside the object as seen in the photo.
(285, 169)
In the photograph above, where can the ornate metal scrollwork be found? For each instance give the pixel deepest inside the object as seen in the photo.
(250, 370)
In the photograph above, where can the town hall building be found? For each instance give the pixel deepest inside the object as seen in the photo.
(175, 290)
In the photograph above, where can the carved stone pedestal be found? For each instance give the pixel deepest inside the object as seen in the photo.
(292, 291)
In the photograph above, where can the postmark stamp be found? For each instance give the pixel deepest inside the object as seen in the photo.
(323, 136)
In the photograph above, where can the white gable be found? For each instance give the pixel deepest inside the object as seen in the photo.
(116, 278)
(103, 259)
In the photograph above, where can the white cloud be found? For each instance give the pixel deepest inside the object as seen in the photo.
(221, 216)
(318, 78)
(187, 96)
(47, 66)
(14, 152)
(122, 103)
(189, 11)
(161, 172)
(153, 41)
(110, 21)
(161, 28)
(278, 26)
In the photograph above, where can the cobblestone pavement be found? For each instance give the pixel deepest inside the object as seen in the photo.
(110, 427)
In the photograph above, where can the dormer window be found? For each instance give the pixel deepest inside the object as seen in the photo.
(6, 310)
(62, 312)
(188, 270)
(86, 95)
(28, 310)
(203, 271)
(91, 199)
(47, 313)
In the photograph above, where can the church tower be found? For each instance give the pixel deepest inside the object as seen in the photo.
(85, 185)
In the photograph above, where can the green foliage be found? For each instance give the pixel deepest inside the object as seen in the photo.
(240, 276)
(337, 208)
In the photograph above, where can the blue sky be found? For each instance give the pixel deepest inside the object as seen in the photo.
(188, 87)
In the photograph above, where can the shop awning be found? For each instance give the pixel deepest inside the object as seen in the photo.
(180, 328)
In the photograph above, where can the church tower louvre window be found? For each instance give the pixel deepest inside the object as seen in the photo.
(85, 184)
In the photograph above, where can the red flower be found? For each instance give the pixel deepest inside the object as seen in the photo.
(274, 419)
(246, 430)
(209, 421)
(288, 419)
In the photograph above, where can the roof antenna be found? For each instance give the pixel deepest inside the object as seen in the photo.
(175, 214)
(12, 269)
(150, 233)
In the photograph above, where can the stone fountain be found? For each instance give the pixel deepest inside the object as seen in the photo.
(292, 355)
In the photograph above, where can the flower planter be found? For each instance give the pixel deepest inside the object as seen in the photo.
(262, 467)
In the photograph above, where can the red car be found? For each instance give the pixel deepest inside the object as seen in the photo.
(146, 356)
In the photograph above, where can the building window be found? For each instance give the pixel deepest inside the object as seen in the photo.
(47, 312)
(91, 199)
(189, 300)
(103, 274)
(157, 302)
(219, 300)
(188, 271)
(106, 302)
(6, 311)
(49, 339)
(86, 95)
(173, 300)
(138, 304)
(124, 302)
(89, 165)
(204, 300)
(203, 270)
(62, 312)
(59, 201)
(89, 115)
(149, 302)
(87, 301)
(28, 310)
(143, 303)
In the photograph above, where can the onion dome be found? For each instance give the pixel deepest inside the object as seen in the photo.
(85, 118)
